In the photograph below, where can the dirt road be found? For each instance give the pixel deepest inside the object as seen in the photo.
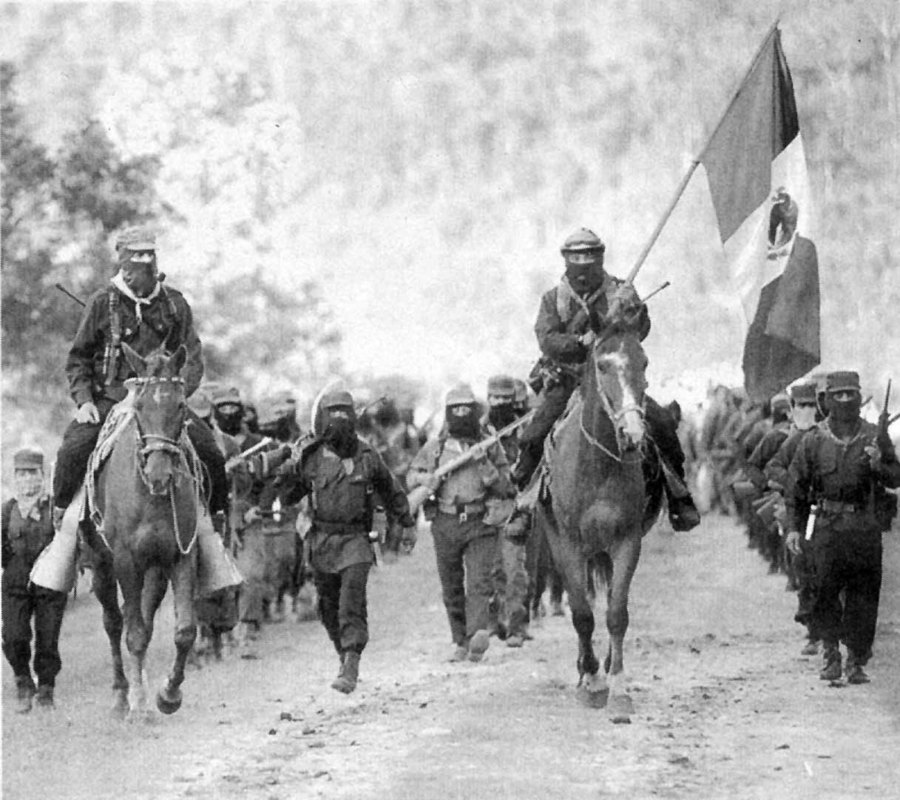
(725, 707)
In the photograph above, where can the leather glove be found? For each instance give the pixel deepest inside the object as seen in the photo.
(87, 412)
(792, 542)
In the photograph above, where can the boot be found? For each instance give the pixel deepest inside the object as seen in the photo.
(349, 674)
(811, 648)
(45, 697)
(24, 694)
(855, 673)
(831, 670)
(683, 513)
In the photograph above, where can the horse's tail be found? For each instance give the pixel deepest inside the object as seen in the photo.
(599, 569)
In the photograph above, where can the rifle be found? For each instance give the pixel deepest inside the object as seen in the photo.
(421, 493)
(884, 418)
(235, 460)
(66, 292)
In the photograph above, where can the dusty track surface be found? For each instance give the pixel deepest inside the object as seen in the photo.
(725, 707)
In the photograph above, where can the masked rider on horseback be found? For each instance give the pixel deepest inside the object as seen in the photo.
(134, 309)
(571, 316)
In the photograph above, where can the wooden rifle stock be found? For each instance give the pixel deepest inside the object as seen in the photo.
(420, 494)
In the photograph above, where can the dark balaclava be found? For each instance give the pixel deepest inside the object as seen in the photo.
(339, 430)
(462, 421)
(279, 428)
(844, 412)
(229, 417)
(502, 414)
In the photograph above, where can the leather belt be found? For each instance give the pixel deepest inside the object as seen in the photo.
(462, 510)
(839, 507)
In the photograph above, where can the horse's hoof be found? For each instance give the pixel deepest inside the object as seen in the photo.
(620, 709)
(166, 705)
(593, 699)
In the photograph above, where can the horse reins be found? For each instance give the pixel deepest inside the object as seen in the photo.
(165, 444)
(614, 416)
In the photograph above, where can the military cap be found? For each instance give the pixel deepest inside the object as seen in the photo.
(780, 401)
(842, 381)
(338, 399)
(583, 240)
(804, 393)
(200, 403)
(136, 237)
(226, 395)
(28, 458)
(460, 395)
(501, 386)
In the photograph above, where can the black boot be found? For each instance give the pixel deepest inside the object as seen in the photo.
(349, 675)
(683, 513)
(24, 693)
(854, 670)
(831, 670)
(45, 696)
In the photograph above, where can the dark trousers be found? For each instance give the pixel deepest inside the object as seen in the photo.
(847, 561)
(20, 605)
(80, 439)
(466, 554)
(343, 606)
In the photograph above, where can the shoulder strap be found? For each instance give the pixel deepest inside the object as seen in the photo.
(111, 356)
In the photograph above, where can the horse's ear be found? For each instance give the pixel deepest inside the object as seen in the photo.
(135, 361)
(176, 362)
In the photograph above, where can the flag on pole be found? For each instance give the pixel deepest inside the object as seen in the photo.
(760, 190)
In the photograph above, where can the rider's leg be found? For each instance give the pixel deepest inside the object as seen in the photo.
(72, 458)
(531, 440)
(204, 442)
(663, 430)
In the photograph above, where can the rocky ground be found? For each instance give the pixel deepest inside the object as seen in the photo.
(725, 707)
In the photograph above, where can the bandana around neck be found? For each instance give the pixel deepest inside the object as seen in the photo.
(119, 282)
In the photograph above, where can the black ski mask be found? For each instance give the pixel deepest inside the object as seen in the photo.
(585, 277)
(340, 432)
(844, 411)
(229, 417)
(502, 414)
(280, 429)
(462, 422)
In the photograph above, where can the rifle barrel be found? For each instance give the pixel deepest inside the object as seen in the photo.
(66, 292)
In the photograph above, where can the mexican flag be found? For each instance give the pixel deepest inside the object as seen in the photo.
(760, 190)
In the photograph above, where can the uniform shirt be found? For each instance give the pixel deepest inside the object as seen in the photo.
(158, 326)
(473, 482)
(23, 540)
(341, 493)
(764, 452)
(556, 331)
(776, 468)
(825, 467)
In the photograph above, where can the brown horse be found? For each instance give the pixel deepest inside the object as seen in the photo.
(147, 499)
(600, 506)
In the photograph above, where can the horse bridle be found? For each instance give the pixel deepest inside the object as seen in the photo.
(155, 442)
(614, 416)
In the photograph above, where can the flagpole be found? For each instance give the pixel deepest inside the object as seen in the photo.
(697, 161)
